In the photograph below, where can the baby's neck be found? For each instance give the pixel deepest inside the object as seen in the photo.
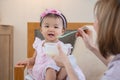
(51, 41)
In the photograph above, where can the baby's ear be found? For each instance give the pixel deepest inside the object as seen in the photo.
(63, 31)
(41, 30)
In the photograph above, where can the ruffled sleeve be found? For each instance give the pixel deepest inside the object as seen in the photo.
(36, 42)
(69, 47)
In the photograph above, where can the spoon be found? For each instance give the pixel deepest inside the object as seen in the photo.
(67, 34)
(72, 32)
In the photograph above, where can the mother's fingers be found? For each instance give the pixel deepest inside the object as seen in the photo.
(85, 33)
(60, 49)
(81, 32)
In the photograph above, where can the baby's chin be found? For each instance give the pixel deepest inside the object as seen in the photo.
(52, 40)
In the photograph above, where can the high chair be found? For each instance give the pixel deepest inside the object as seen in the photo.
(33, 31)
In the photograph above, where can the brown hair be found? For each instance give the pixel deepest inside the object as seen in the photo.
(108, 15)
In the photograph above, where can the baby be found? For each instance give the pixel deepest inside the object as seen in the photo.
(53, 24)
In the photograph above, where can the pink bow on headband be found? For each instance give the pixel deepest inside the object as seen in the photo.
(53, 11)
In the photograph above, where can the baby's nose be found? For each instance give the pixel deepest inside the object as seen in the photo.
(51, 28)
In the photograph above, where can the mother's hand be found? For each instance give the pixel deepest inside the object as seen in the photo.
(61, 58)
(87, 37)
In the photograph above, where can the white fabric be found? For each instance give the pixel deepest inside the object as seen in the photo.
(76, 68)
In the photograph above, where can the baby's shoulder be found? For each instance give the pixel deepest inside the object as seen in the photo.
(37, 42)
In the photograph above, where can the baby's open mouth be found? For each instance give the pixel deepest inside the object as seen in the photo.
(51, 35)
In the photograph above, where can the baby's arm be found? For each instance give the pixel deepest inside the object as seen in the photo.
(29, 61)
(62, 74)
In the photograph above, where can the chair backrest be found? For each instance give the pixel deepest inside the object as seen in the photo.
(35, 26)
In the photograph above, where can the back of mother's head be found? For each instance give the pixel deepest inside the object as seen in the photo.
(107, 13)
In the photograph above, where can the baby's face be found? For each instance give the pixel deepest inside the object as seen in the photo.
(51, 28)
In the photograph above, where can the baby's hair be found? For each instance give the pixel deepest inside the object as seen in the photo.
(56, 14)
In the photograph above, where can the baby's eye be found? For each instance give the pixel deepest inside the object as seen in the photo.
(56, 27)
(46, 26)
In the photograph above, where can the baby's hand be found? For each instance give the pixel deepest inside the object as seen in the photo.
(29, 62)
(24, 62)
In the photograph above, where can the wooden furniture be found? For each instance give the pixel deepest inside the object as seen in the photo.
(32, 26)
(6, 52)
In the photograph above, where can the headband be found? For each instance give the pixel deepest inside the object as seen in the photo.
(53, 11)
